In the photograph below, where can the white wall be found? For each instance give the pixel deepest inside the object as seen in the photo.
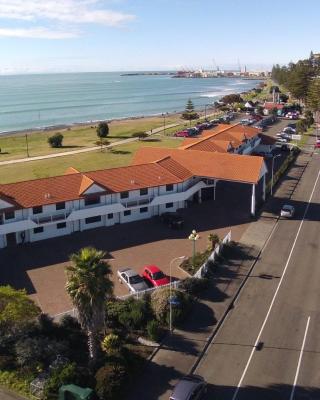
(50, 231)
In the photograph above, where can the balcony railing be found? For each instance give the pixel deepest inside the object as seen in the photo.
(50, 218)
(137, 203)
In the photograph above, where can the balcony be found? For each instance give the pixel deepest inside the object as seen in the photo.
(49, 219)
(137, 203)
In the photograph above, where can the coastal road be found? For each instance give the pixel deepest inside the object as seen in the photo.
(268, 347)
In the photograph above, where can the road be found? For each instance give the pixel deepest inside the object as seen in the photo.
(268, 347)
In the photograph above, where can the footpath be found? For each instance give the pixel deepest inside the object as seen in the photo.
(180, 352)
(86, 150)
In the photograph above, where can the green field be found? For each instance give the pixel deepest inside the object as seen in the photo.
(119, 156)
(14, 146)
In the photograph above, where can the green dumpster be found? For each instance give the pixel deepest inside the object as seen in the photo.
(74, 392)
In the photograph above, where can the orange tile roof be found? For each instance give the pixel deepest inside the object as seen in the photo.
(175, 168)
(224, 166)
(70, 187)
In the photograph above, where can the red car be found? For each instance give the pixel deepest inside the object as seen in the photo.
(317, 145)
(182, 134)
(154, 275)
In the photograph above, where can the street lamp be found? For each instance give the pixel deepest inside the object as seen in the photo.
(278, 155)
(205, 110)
(27, 146)
(194, 236)
(164, 122)
(181, 258)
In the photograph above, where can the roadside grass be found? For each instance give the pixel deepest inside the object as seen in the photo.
(14, 146)
(305, 137)
(117, 157)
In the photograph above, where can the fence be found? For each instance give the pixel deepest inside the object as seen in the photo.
(204, 268)
(138, 295)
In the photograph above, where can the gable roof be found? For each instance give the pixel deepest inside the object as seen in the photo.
(224, 166)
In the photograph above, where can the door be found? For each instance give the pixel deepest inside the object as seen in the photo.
(11, 239)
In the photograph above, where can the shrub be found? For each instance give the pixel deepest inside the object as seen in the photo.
(140, 135)
(111, 344)
(38, 351)
(160, 304)
(154, 330)
(13, 381)
(194, 286)
(103, 130)
(192, 264)
(131, 313)
(109, 380)
(66, 374)
(55, 140)
(7, 362)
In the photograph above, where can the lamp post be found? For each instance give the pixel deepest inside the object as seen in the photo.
(164, 122)
(278, 155)
(181, 258)
(194, 236)
(205, 111)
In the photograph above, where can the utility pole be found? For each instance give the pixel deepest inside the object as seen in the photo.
(27, 145)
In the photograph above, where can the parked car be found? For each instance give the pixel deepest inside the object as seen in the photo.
(282, 140)
(182, 134)
(293, 125)
(172, 219)
(317, 145)
(191, 387)
(287, 211)
(154, 275)
(193, 131)
(133, 280)
(288, 129)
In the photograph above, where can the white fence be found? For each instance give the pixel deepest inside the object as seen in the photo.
(138, 295)
(204, 268)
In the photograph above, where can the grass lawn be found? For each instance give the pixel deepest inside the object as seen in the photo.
(14, 146)
(119, 156)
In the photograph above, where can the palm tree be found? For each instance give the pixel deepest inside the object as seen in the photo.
(89, 285)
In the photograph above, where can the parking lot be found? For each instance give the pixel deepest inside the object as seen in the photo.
(40, 267)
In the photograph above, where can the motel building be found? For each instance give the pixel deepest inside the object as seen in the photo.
(159, 180)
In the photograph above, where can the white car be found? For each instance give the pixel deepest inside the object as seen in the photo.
(133, 280)
(287, 211)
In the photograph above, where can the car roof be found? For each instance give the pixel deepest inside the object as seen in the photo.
(128, 271)
(152, 268)
(287, 206)
(184, 388)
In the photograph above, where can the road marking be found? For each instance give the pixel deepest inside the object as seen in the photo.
(300, 358)
(276, 292)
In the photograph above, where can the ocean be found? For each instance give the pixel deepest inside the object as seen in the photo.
(37, 101)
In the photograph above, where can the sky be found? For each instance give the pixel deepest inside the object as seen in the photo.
(127, 35)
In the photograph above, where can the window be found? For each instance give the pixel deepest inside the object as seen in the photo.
(61, 206)
(169, 188)
(143, 192)
(38, 230)
(90, 201)
(169, 205)
(92, 220)
(37, 210)
(110, 216)
(126, 213)
(61, 225)
(9, 215)
(143, 209)
(124, 195)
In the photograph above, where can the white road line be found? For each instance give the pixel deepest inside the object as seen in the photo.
(276, 293)
(300, 358)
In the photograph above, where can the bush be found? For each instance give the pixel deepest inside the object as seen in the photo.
(111, 344)
(7, 362)
(154, 330)
(109, 380)
(192, 264)
(194, 286)
(160, 305)
(13, 381)
(55, 140)
(140, 135)
(60, 376)
(103, 130)
(131, 313)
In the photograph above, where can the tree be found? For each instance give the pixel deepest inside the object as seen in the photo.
(232, 98)
(189, 112)
(103, 130)
(56, 140)
(16, 308)
(89, 285)
(313, 97)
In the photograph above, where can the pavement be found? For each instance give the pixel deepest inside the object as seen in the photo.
(6, 395)
(86, 150)
(220, 353)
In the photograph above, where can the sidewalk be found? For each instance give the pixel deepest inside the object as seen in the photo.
(180, 352)
(86, 150)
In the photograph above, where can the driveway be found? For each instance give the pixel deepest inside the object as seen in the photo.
(40, 267)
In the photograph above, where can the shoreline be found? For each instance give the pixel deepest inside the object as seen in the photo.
(84, 124)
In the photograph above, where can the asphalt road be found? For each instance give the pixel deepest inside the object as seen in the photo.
(268, 346)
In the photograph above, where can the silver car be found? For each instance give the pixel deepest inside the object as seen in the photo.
(133, 280)
(287, 211)
(191, 387)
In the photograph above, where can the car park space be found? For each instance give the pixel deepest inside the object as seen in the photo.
(40, 267)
